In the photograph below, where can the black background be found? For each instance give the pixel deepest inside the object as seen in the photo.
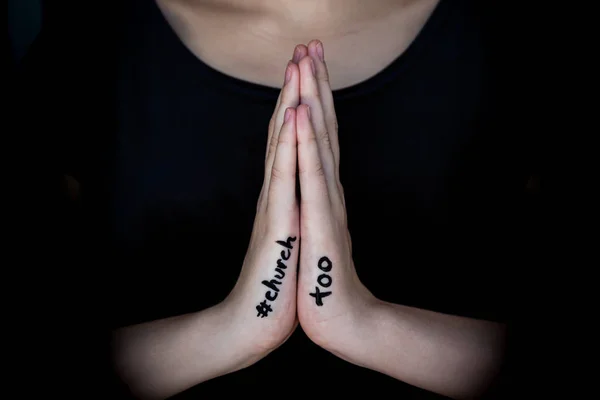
(58, 353)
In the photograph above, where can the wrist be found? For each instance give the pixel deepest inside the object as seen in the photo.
(250, 337)
(371, 324)
(354, 336)
(232, 343)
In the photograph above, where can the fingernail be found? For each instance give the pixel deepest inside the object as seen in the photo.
(308, 111)
(287, 115)
(288, 73)
(321, 52)
(312, 67)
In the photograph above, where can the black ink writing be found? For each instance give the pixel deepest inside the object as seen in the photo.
(272, 284)
(287, 243)
(280, 274)
(264, 308)
(318, 295)
(324, 264)
(324, 280)
(270, 296)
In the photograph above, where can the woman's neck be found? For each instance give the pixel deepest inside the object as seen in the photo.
(322, 18)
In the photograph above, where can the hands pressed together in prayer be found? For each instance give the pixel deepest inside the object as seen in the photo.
(456, 356)
(327, 296)
(299, 269)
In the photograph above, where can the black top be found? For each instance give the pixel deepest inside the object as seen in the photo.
(434, 179)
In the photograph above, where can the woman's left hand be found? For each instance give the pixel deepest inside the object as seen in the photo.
(451, 355)
(332, 302)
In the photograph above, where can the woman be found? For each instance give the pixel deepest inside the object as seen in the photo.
(385, 130)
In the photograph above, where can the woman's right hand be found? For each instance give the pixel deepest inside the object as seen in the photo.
(160, 358)
(263, 301)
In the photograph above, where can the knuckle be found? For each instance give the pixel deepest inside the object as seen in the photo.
(284, 140)
(319, 170)
(308, 141)
(315, 169)
(277, 175)
(272, 148)
(302, 169)
(325, 139)
(317, 96)
(273, 141)
(322, 133)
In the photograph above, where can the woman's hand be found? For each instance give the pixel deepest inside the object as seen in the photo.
(161, 358)
(263, 302)
(455, 356)
(332, 302)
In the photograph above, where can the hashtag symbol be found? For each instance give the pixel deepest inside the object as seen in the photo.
(263, 309)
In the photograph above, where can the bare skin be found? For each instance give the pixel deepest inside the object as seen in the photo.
(161, 358)
(251, 40)
(451, 355)
(455, 356)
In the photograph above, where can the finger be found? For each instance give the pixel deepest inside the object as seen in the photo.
(288, 97)
(282, 187)
(313, 186)
(276, 121)
(300, 51)
(317, 53)
(269, 150)
(309, 94)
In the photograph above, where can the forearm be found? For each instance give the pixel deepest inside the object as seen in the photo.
(450, 355)
(161, 358)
